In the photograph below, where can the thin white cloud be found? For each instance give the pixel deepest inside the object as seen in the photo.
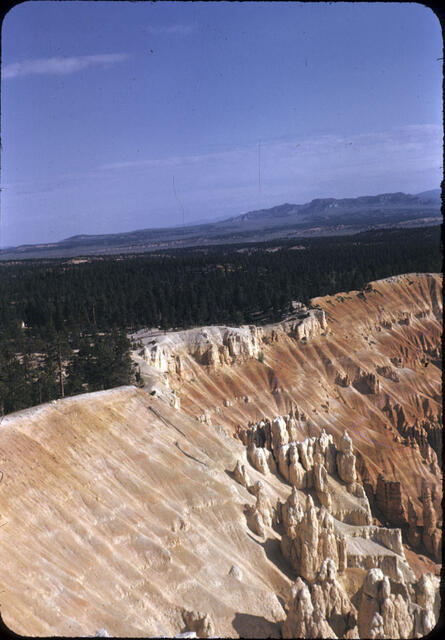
(171, 161)
(225, 182)
(332, 153)
(60, 65)
(171, 29)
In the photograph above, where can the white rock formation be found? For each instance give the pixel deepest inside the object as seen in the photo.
(333, 602)
(263, 505)
(297, 475)
(280, 435)
(257, 458)
(240, 474)
(216, 346)
(199, 622)
(303, 620)
(346, 460)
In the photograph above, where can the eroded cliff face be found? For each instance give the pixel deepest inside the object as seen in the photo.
(366, 361)
(118, 513)
(281, 481)
(175, 353)
(326, 535)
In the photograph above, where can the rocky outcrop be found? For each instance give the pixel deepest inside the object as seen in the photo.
(199, 622)
(235, 572)
(325, 448)
(317, 547)
(313, 324)
(256, 522)
(346, 460)
(333, 603)
(320, 476)
(309, 537)
(303, 619)
(162, 496)
(292, 513)
(343, 380)
(427, 596)
(389, 605)
(208, 346)
(295, 473)
(383, 614)
(258, 458)
(240, 474)
(397, 361)
(431, 536)
(309, 464)
(263, 504)
(367, 382)
(280, 435)
(421, 429)
(321, 610)
(388, 372)
(218, 346)
(388, 497)
(414, 534)
(370, 621)
(301, 537)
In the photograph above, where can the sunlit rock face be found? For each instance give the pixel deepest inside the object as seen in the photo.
(219, 346)
(122, 514)
(262, 484)
(393, 417)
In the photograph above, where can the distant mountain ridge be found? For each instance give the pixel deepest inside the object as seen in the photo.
(320, 216)
(323, 205)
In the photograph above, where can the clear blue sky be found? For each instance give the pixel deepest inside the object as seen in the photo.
(122, 115)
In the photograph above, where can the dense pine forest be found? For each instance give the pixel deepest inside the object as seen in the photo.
(64, 322)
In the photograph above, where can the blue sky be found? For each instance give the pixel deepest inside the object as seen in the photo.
(123, 115)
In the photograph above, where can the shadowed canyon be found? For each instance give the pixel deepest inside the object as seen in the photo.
(274, 481)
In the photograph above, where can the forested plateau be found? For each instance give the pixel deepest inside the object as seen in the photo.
(65, 322)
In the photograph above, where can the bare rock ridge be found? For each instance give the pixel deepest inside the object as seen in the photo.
(217, 346)
(278, 481)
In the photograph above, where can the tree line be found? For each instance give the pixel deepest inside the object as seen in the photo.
(64, 323)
